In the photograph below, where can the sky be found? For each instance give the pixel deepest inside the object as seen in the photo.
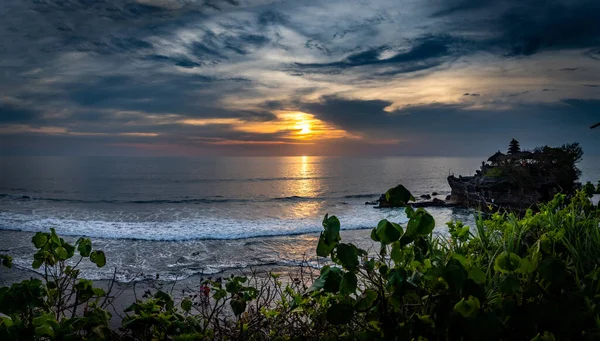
(297, 77)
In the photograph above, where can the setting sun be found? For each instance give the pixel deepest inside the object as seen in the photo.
(304, 128)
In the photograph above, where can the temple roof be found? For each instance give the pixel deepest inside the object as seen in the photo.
(496, 157)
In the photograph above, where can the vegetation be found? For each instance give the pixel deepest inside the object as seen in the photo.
(507, 278)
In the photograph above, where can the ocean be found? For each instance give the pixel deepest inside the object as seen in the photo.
(177, 217)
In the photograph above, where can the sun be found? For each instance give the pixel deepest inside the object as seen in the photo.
(304, 128)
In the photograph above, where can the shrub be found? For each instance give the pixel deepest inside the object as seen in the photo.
(61, 306)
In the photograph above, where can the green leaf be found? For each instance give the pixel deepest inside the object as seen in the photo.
(6, 261)
(409, 211)
(70, 248)
(330, 236)
(333, 280)
(220, 294)
(527, 266)
(84, 246)
(366, 300)
(510, 285)
(329, 280)
(54, 236)
(347, 254)
(462, 259)
(5, 322)
(398, 196)
(477, 275)
(318, 284)
(421, 224)
(61, 252)
(37, 263)
(388, 232)
(98, 258)
(39, 239)
(44, 330)
(349, 283)
(397, 277)
(374, 235)
(468, 308)
(340, 313)
(507, 262)
(238, 306)
(547, 336)
(186, 305)
(397, 253)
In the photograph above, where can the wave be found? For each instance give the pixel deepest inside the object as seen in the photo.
(207, 200)
(196, 227)
(360, 196)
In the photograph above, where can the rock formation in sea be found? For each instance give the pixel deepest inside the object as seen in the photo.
(517, 181)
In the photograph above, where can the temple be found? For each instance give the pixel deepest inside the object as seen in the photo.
(519, 179)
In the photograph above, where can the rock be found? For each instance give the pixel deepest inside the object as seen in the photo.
(426, 196)
(434, 193)
(438, 201)
(448, 197)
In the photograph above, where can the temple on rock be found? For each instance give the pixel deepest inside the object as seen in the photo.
(519, 179)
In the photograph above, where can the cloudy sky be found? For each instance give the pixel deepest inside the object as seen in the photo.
(297, 77)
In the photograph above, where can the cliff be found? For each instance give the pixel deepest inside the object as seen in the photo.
(500, 192)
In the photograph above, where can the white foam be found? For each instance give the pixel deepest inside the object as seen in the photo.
(188, 228)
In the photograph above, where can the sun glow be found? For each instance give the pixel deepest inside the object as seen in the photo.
(291, 125)
(304, 128)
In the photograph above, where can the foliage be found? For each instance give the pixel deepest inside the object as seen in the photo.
(61, 306)
(495, 172)
(560, 164)
(507, 278)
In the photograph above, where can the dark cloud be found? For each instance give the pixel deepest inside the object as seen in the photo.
(470, 94)
(271, 17)
(591, 85)
(425, 52)
(526, 27)
(17, 113)
(515, 94)
(569, 69)
(178, 61)
(535, 25)
(187, 95)
(438, 125)
(452, 7)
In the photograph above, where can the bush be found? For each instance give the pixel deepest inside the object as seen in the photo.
(507, 278)
(62, 306)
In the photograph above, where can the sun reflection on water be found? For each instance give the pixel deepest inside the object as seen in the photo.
(308, 186)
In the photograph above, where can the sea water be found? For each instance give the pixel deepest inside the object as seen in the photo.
(181, 216)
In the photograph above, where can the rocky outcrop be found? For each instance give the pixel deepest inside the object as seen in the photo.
(385, 202)
(482, 191)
